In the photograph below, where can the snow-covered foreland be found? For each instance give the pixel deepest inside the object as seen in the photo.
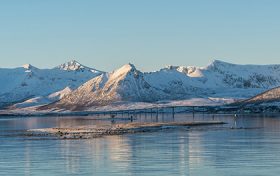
(72, 86)
(267, 99)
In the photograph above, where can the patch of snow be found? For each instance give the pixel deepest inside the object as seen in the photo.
(28, 66)
(60, 94)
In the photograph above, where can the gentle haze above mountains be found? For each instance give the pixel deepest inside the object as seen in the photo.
(150, 34)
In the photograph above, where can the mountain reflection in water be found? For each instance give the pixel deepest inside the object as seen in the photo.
(208, 150)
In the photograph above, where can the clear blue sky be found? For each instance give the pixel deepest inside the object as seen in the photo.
(149, 33)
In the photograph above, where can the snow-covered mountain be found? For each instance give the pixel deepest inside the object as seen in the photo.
(218, 79)
(75, 86)
(124, 84)
(42, 100)
(23, 83)
(221, 74)
(74, 65)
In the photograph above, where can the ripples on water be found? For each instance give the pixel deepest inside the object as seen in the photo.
(215, 151)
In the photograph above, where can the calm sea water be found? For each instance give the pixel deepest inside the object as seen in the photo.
(203, 151)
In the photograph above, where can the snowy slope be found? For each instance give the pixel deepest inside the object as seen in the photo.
(272, 95)
(217, 80)
(89, 87)
(124, 84)
(265, 102)
(27, 82)
(42, 100)
(221, 74)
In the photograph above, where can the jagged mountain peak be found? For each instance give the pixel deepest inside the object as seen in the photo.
(71, 65)
(214, 63)
(176, 68)
(127, 68)
(74, 65)
(171, 67)
(28, 66)
(123, 84)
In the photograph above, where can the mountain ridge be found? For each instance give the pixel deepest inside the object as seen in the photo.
(128, 84)
(28, 81)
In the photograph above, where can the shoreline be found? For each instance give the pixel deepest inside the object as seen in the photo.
(220, 109)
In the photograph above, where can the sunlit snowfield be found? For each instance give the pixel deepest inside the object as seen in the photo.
(213, 150)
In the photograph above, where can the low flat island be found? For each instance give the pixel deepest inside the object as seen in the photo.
(93, 131)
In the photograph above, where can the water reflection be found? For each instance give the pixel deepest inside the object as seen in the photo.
(251, 150)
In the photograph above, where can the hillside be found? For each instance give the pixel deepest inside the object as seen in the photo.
(23, 83)
(127, 84)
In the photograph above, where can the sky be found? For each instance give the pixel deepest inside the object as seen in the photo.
(151, 34)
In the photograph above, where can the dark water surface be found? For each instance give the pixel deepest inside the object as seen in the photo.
(202, 151)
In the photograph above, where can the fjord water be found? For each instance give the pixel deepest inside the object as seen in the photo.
(218, 150)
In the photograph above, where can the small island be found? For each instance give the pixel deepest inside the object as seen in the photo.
(93, 131)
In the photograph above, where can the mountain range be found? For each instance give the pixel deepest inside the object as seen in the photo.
(28, 82)
(73, 86)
